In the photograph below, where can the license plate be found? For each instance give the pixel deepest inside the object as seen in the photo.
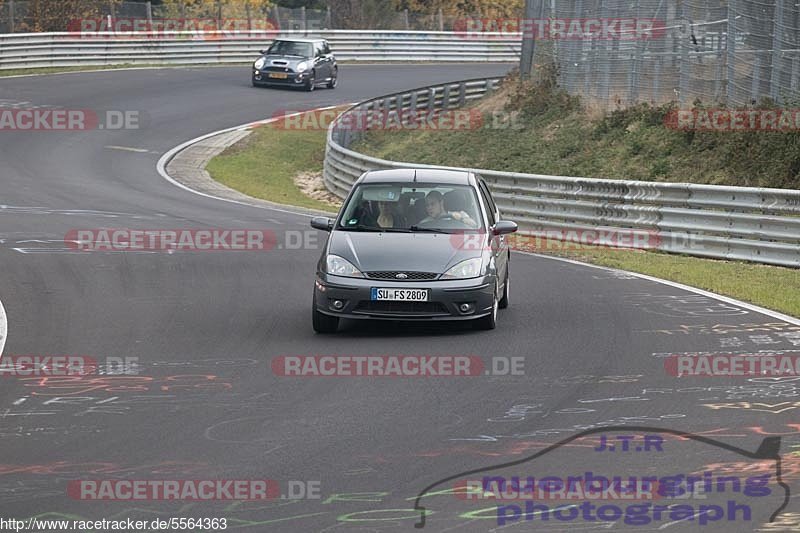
(399, 295)
(279, 75)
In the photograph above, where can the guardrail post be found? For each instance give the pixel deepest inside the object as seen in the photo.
(413, 104)
(432, 99)
(11, 16)
(462, 94)
(446, 97)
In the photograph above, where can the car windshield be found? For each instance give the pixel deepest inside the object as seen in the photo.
(412, 207)
(290, 48)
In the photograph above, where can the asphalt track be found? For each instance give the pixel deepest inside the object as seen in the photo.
(206, 325)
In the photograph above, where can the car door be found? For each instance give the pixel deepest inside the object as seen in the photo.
(320, 63)
(498, 243)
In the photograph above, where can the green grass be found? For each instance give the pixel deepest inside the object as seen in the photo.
(264, 164)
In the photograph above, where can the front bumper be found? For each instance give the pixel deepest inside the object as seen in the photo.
(444, 302)
(262, 77)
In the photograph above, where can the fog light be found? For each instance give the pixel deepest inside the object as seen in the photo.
(466, 308)
(338, 304)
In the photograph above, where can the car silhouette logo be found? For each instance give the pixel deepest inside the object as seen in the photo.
(401, 275)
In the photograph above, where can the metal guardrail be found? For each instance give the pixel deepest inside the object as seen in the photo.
(34, 50)
(739, 223)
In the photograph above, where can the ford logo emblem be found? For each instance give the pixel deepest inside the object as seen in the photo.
(401, 276)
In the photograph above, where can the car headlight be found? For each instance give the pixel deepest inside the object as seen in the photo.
(339, 266)
(471, 268)
(259, 64)
(302, 67)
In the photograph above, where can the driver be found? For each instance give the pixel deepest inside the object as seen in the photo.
(434, 205)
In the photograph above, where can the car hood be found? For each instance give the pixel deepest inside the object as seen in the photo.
(290, 61)
(412, 252)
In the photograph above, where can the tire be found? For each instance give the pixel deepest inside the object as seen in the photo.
(490, 321)
(311, 84)
(334, 79)
(503, 303)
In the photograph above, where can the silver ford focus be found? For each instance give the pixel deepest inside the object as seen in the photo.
(423, 245)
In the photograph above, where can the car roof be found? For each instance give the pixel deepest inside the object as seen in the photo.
(293, 40)
(422, 175)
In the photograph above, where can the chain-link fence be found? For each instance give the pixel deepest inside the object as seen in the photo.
(726, 51)
(19, 16)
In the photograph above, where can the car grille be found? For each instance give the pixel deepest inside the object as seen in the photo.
(412, 276)
(277, 69)
(401, 308)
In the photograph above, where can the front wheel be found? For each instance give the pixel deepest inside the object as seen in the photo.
(503, 304)
(334, 79)
(489, 321)
(311, 83)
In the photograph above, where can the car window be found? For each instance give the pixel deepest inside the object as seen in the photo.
(291, 48)
(318, 49)
(412, 207)
(488, 195)
(489, 208)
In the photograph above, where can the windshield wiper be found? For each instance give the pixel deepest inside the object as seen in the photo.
(361, 227)
(427, 230)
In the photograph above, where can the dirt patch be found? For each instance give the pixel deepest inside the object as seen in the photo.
(313, 186)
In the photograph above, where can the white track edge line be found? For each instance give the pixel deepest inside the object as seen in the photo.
(3, 329)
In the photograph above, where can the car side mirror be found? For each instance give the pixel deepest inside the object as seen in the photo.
(503, 227)
(263, 52)
(322, 223)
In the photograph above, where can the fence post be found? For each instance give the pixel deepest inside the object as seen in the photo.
(440, 15)
(756, 85)
(304, 19)
(405, 19)
(730, 93)
(113, 12)
(777, 34)
(528, 42)
(276, 14)
(219, 14)
(149, 9)
(657, 80)
(633, 85)
(249, 16)
(11, 15)
(183, 11)
(328, 17)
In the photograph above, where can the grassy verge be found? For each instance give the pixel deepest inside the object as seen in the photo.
(265, 163)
